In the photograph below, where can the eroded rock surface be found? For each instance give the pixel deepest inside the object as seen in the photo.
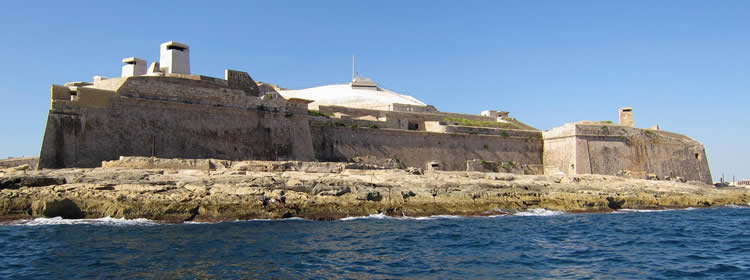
(242, 192)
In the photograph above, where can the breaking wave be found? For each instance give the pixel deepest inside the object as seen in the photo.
(381, 216)
(106, 221)
(539, 212)
(737, 206)
(530, 212)
(625, 210)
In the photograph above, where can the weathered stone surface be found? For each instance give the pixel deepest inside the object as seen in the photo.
(174, 197)
(18, 162)
(596, 148)
(64, 208)
(18, 181)
(242, 81)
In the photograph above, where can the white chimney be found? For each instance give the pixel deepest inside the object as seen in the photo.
(174, 58)
(133, 67)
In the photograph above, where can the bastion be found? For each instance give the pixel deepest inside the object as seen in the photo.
(163, 111)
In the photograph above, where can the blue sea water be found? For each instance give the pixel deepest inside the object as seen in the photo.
(711, 243)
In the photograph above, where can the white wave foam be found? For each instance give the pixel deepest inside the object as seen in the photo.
(254, 220)
(197, 223)
(106, 221)
(737, 206)
(625, 210)
(539, 212)
(379, 216)
(530, 212)
(495, 216)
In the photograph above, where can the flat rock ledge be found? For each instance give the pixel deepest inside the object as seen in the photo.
(273, 190)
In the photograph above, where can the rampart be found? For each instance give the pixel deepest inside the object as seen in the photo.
(170, 117)
(586, 148)
(416, 148)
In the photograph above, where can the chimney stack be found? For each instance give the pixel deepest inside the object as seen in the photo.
(626, 116)
(133, 67)
(174, 58)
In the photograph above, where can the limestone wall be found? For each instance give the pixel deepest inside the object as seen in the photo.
(416, 148)
(86, 136)
(619, 150)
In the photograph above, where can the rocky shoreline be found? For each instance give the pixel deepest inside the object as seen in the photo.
(228, 191)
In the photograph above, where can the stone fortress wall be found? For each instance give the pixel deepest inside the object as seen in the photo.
(169, 113)
(450, 151)
(597, 148)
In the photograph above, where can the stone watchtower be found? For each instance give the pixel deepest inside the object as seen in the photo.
(174, 58)
(626, 116)
(133, 67)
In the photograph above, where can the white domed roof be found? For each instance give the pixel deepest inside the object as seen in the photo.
(365, 97)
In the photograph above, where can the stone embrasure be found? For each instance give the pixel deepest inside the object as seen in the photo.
(233, 192)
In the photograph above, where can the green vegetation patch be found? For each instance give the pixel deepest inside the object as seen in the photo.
(318, 113)
(468, 122)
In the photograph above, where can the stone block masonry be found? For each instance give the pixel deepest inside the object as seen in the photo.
(585, 148)
(416, 148)
(172, 117)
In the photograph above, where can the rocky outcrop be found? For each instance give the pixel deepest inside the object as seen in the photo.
(245, 191)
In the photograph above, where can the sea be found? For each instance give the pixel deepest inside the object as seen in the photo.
(704, 243)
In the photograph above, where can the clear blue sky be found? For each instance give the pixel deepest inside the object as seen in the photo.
(684, 65)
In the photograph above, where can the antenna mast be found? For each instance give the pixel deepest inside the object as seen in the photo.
(353, 68)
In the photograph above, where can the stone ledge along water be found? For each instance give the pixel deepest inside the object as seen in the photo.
(228, 191)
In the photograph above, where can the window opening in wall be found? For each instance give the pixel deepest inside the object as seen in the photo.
(413, 126)
(698, 156)
(175, 48)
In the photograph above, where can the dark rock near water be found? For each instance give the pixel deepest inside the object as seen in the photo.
(65, 208)
(15, 182)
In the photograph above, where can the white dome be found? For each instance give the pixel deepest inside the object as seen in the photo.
(368, 97)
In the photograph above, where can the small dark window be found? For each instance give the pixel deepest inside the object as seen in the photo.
(698, 156)
(413, 126)
(175, 48)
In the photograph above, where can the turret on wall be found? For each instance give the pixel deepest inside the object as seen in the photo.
(626, 116)
(174, 58)
(133, 67)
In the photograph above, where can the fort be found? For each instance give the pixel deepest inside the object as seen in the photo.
(162, 110)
